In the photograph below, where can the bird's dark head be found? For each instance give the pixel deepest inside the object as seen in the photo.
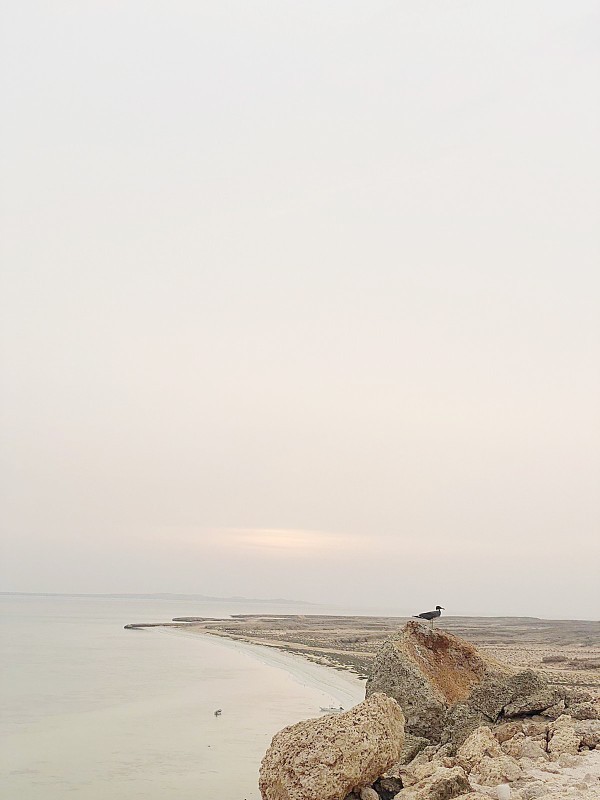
(440, 608)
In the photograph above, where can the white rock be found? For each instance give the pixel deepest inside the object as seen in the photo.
(493, 771)
(479, 744)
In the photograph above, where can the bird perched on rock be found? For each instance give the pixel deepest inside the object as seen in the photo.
(431, 615)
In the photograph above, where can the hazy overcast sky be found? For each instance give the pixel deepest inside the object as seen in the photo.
(302, 299)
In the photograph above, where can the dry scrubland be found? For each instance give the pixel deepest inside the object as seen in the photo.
(567, 652)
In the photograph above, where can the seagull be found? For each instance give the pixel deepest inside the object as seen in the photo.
(431, 615)
(218, 712)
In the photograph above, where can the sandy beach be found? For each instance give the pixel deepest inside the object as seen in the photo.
(567, 652)
(344, 687)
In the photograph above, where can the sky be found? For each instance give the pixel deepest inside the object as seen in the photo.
(302, 300)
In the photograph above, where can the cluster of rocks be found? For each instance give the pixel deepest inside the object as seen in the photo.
(442, 720)
(527, 759)
(447, 687)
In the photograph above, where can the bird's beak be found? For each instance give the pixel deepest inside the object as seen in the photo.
(442, 607)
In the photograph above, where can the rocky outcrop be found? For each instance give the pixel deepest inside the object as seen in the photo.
(329, 757)
(516, 761)
(475, 729)
(447, 687)
(427, 672)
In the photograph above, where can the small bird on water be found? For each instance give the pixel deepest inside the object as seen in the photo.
(431, 615)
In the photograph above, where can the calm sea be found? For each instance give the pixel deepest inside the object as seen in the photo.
(93, 711)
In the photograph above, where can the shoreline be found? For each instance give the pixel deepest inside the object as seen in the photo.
(315, 655)
(89, 703)
(341, 661)
(565, 652)
(343, 686)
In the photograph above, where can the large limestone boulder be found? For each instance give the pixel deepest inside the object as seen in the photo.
(447, 687)
(427, 671)
(506, 693)
(326, 758)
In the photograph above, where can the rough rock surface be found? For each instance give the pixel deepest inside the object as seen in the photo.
(521, 746)
(447, 687)
(474, 796)
(588, 732)
(583, 710)
(480, 743)
(532, 703)
(512, 762)
(562, 737)
(476, 730)
(509, 762)
(494, 771)
(443, 783)
(461, 721)
(427, 672)
(412, 747)
(326, 758)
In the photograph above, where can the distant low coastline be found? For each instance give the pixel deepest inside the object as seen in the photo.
(164, 596)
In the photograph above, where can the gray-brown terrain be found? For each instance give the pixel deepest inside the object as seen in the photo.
(566, 652)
